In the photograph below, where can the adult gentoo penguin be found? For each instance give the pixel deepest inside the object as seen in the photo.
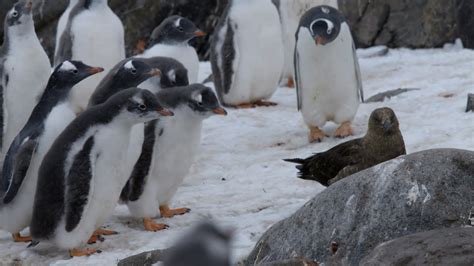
(383, 142)
(126, 74)
(247, 53)
(81, 176)
(171, 39)
(95, 35)
(20, 168)
(24, 71)
(328, 79)
(62, 23)
(168, 153)
(290, 13)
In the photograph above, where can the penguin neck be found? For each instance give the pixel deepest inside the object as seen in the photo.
(162, 38)
(53, 95)
(26, 29)
(93, 4)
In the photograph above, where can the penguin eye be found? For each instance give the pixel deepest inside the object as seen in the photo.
(142, 107)
(133, 71)
(180, 29)
(329, 31)
(15, 14)
(75, 71)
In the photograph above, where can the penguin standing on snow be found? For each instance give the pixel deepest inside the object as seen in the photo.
(247, 55)
(95, 35)
(328, 79)
(62, 23)
(167, 153)
(290, 13)
(126, 74)
(81, 176)
(20, 168)
(171, 39)
(24, 71)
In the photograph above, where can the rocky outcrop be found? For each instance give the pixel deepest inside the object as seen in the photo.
(453, 246)
(341, 225)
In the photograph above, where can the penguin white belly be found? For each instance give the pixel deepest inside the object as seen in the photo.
(260, 50)
(98, 41)
(185, 54)
(17, 215)
(173, 155)
(108, 179)
(328, 79)
(28, 71)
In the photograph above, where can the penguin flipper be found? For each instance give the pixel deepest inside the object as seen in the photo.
(16, 166)
(360, 89)
(78, 185)
(296, 62)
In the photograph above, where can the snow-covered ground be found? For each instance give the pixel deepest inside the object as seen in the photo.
(239, 178)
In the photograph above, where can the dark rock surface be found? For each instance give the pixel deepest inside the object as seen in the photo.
(453, 246)
(395, 23)
(419, 192)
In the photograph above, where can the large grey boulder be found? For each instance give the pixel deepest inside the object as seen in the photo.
(419, 192)
(452, 246)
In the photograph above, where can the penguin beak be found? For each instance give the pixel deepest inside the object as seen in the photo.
(155, 72)
(199, 33)
(319, 40)
(219, 111)
(29, 6)
(164, 112)
(95, 70)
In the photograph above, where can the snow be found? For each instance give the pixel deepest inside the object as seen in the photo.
(239, 178)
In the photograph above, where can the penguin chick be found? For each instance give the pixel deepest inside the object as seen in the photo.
(171, 39)
(20, 168)
(174, 74)
(126, 74)
(24, 72)
(204, 245)
(167, 149)
(383, 142)
(328, 80)
(81, 176)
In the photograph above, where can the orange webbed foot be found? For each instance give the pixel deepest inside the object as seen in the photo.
(166, 212)
(21, 239)
(83, 252)
(265, 103)
(345, 130)
(151, 226)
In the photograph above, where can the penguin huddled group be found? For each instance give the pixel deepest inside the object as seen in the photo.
(102, 129)
(98, 129)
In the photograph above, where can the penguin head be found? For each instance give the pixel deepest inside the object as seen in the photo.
(383, 121)
(133, 72)
(142, 106)
(323, 23)
(72, 72)
(175, 29)
(200, 100)
(20, 15)
(175, 77)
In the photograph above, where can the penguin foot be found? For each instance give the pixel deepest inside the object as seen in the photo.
(105, 232)
(94, 238)
(166, 212)
(265, 103)
(151, 226)
(291, 83)
(345, 130)
(316, 135)
(81, 253)
(21, 239)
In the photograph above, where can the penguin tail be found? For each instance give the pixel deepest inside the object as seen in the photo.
(296, 160)
(300, 166)
(33, 243)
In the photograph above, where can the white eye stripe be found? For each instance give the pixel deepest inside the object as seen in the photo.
(67, 66)
(178, 22)
(328, 22)
(172, 75)
(129, 65)
(198, 97)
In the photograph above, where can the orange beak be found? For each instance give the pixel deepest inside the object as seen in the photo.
(164, 112)
(219, 111)
(319, 40)
(95, 70)
(155, 72)
(29, 5)
(199, 33)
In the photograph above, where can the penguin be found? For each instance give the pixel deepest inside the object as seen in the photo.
(20, 169)
(94, 35)
(247, 53)
(126, 74)
(63, 22)
(290, 13)
(174, 74)
(80, 178)
(328, 79)
(171, 39)
(167, 153)
(24, 71)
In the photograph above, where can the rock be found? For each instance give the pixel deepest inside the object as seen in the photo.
(470, 103)
(422, 191)
(380, 97)
(146, 258)
(452, 246)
